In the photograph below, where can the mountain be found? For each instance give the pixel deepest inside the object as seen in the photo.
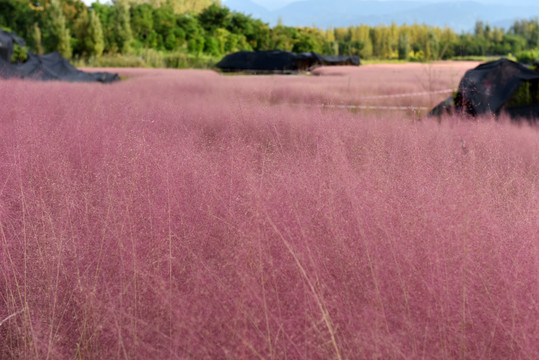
(459, 15)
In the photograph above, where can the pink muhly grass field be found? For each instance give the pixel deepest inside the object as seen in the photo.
(175, 216)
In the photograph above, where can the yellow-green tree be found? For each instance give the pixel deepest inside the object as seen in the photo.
(181, 6)
(94, 41)
(60, 36)
(36, 39)
(124, 36)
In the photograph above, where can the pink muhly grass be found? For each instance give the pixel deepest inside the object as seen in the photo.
(168, 217)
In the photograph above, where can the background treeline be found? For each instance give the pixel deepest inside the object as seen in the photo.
(175, 33)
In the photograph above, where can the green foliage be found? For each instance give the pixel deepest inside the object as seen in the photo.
(181, 60)
(59, 38)
(528, 56)
(527, 29)
(142, 25)
(107, 17)
(124, 36)
(94, 41)
(417, 56)
(527, 93)
(113, 60)
(80, 33)
(404, 46)
(211, 45)
(205, 28)
(283, 38)
(432, 47)
(164, 25)
(214, 17)
(20, 54)
(194, 33)
(152, 58)
(515, 43)
(187, 6)
(307, 40)
(36, 39)
(17, 16)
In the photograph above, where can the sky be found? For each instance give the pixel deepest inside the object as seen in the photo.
(272, 4)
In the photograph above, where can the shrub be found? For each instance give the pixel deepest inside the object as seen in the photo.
(528, 56)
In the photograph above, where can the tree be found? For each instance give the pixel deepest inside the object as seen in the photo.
(124, 36)
(222, 36)
(95, 44)
(261, 37)
(80, 33)
(59, 34)
(211, 45)
(432, 47)
(250, 29)
(404, 46)
(187, 6)
(283, 38)
(194, 33)
(107, 17)
(306, 43)
(36, 39)
(214, 17)
(16, 16)
(142, 25)
(479, 29)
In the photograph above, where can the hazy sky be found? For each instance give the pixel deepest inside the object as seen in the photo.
(275, 4)
(272, 4)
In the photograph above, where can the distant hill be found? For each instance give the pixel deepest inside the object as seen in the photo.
(459, 15)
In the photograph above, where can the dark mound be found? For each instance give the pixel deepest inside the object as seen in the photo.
(43, 67)
(493, 87)
(280, 61)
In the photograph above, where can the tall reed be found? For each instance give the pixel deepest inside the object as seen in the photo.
(168, 217)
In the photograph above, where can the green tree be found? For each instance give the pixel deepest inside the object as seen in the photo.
(515, 43)
(283, 38)
(169, 34)
(36, 39)
(194, 33)
(432, 47)
(107, 17)
(95, 44)
(404, 46)
(211, 45)
(124, 36)
(17, 16)
(261, 37)
(214, 17)
(479, 29)
(80, 33)
(254, 32)
(188, 6)
(142, 25)
(59, 34)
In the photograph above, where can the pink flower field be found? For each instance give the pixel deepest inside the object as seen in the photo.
(189, 215)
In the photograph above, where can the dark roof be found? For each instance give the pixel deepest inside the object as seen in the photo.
(277, 60)
(488, 87)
